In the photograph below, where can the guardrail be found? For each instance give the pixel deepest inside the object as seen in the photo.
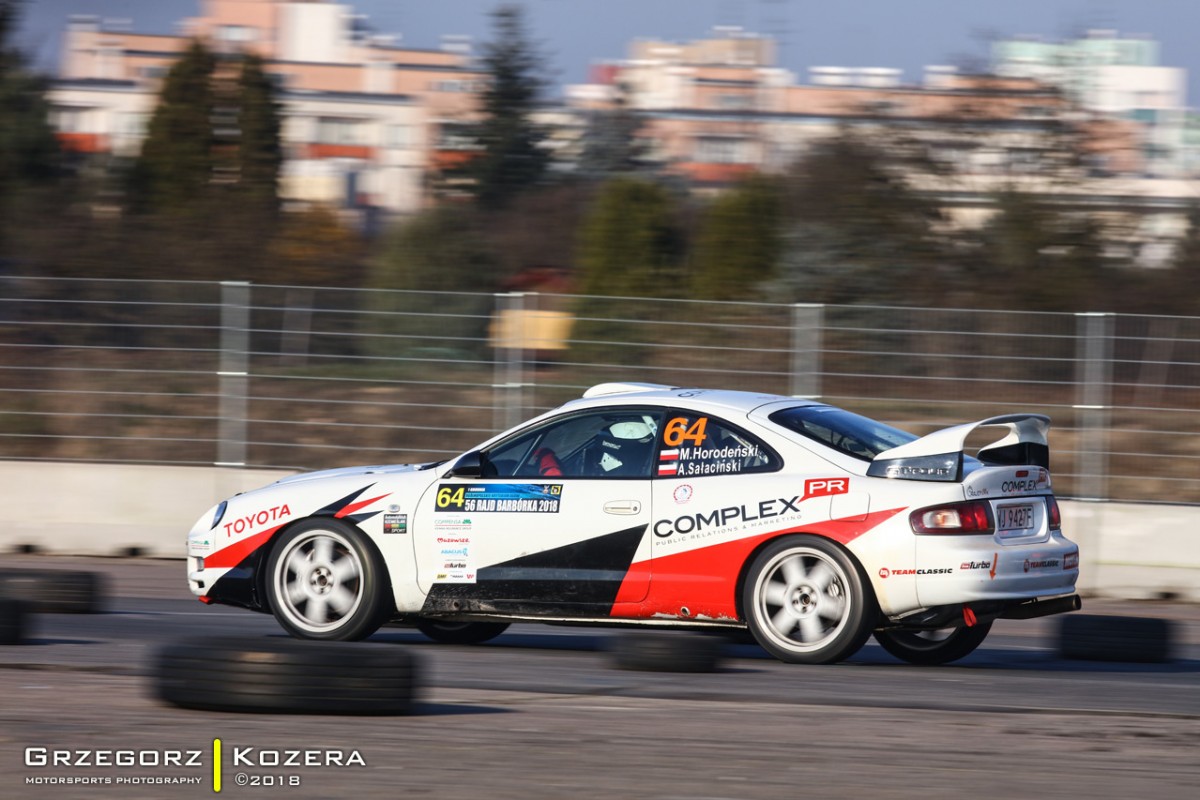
(293, 377)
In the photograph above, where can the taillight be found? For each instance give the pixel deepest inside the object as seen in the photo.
(974, 517)
(1054, 514)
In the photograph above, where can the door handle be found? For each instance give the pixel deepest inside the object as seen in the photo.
(623, 507)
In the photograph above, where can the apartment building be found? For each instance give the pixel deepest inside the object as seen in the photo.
(720, 108)
(1119, 78)
(364, 121)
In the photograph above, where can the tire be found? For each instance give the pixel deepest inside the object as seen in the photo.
(927, 648)
(807, 602)
(55, 591)
(448, 632)
(14, 620)
(326, 580)
(286, 676)
(666, 651)
(1092, 637)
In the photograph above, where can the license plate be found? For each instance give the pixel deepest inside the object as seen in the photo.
(1014, 518)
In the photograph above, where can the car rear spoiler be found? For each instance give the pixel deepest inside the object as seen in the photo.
(939, 456)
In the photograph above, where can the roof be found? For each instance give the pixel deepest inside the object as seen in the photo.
(661, 394)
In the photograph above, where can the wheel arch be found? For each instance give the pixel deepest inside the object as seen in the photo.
(263, 553)
(750, 558)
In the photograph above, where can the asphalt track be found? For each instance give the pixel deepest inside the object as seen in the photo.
(541, 713)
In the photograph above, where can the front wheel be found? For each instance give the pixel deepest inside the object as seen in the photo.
(325, 580)
(461, 632)
(933, 647)
(806, 601)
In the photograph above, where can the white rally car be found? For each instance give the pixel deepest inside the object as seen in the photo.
(641, 504)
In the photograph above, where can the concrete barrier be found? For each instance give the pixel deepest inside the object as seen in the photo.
(113, 509)
(1128, 550)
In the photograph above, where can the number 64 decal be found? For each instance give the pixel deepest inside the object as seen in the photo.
(678, 431)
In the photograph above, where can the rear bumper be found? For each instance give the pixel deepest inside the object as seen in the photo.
(961, 614)
(974, 569)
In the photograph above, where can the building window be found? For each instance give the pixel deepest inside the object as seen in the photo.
(132, 124)
(235, 34)
(722, 150)
(333, 130)
(882, 108)
(452, 86)
(70, 119)
(399, 137)
(734, 102)
(452, 136)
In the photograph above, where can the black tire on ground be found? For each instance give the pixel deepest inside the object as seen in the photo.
(933, 647)
(807, 602)
(326, 580)
(286, 676)
(51, 591)
(448, 632)
(14, 620)
(666, 651)
(1093, 637)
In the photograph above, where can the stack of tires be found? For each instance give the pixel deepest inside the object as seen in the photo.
(25, 592)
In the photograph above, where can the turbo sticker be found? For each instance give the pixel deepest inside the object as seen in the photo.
(529, 498)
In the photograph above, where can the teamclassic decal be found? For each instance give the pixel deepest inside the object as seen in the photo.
(536, 498)
(886, 573)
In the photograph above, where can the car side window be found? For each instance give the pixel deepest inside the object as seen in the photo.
(614, 443)
(695, 445)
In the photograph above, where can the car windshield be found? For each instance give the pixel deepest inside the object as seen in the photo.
(846, 432)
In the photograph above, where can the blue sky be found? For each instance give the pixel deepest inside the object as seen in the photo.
(905, 34)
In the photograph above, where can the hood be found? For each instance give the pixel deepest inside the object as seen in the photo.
(346, 472)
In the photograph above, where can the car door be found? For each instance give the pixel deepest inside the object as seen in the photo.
(718, 492)
(551, 524)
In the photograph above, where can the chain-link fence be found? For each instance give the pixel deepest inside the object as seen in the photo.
(283, 376)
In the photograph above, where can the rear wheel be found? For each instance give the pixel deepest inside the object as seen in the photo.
(933, 647)
(325, 580)
(448, 632)
(806, 601)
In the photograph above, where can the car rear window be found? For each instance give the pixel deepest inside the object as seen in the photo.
(844, 431)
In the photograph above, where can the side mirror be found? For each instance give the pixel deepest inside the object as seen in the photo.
(469, 466)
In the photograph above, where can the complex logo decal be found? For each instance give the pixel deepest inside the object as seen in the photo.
(723, 517)
(682, 493)
(536, 498)
(1024, 482)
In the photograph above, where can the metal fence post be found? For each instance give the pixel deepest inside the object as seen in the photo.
(233, 374)
(1093, 402)
(808, 320)
(508, 333)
